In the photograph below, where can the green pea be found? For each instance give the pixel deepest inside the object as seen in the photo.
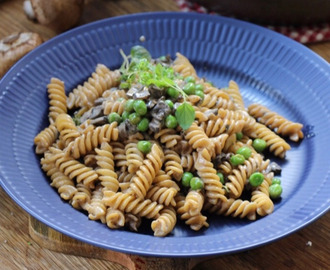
(144, 146)
(186, 178)
(200, 94)
(275, 191)
(196, 183)
(189, 88)
(190, 79)
(199, 87)
(259, 145)
(221, 177)
(162, 58)
(173, 93)
(114, 117)
(256, 179)
(244, 151)
(276, 180)
(239, 136)
(129, 105)
(125, 115)
(134, 118)
(143, 125)
(237, 159)
(169, 103)
(171, 121)
(140, 107)
(124, 85)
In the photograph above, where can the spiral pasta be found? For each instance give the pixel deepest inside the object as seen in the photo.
(115, 218)
(133, 155)
(106, 169)
(205, 169)
(57, 99)
(212, 101)
(276, 122)
(82, 197)
(113, 94)
(195, 222)
(45, 138)
(147, 172)
(198, 139)
(124, 179)
(119, 156)
(87, 142)
(154, 140)
(183, 66)
(165, 223)
(64, 185)
(234, 92)
(100, 80)
(172, 164)
(96, 208)
(169, 137)
(73, 168)
(260, 195)
(225, 167)
(239, 176)
(188, 162)
(194, 202)
(235, 208)
(214, 91)
(128, 203)
(237, 115)
(219, 143)
(68, 130)
(276, 144)
(117, 106)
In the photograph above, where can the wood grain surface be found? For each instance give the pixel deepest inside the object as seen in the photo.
(20, 248)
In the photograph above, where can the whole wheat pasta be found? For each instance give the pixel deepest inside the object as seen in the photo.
(276, 122)
(153, 140)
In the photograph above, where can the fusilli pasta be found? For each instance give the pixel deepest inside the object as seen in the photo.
(154, 140)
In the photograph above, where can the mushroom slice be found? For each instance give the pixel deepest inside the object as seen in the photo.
(15, 46)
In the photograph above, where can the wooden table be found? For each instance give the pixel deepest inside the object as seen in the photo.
(306, 249)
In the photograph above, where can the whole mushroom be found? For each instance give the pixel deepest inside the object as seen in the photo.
(57, 14)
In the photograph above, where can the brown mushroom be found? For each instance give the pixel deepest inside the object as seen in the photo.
(15, 46)
(57, 14)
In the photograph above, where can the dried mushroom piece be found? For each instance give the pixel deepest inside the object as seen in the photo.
(15, 46)
(57, 14)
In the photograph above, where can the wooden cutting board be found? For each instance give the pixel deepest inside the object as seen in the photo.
(53, 240)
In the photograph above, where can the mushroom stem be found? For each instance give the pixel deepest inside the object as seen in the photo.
(27, 7)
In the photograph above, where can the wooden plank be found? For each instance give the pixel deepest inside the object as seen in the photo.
(50, 239)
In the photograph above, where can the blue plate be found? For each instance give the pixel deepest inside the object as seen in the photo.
(270, 68)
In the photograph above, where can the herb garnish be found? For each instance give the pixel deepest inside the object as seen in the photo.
(138, 68)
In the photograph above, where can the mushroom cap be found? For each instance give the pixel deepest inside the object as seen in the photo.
(58, 14)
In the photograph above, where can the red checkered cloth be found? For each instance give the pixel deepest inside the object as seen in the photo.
(302, 34)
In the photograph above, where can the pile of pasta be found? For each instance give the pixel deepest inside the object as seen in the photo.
(97, 171)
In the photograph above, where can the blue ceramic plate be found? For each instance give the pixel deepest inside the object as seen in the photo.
(270, 68)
